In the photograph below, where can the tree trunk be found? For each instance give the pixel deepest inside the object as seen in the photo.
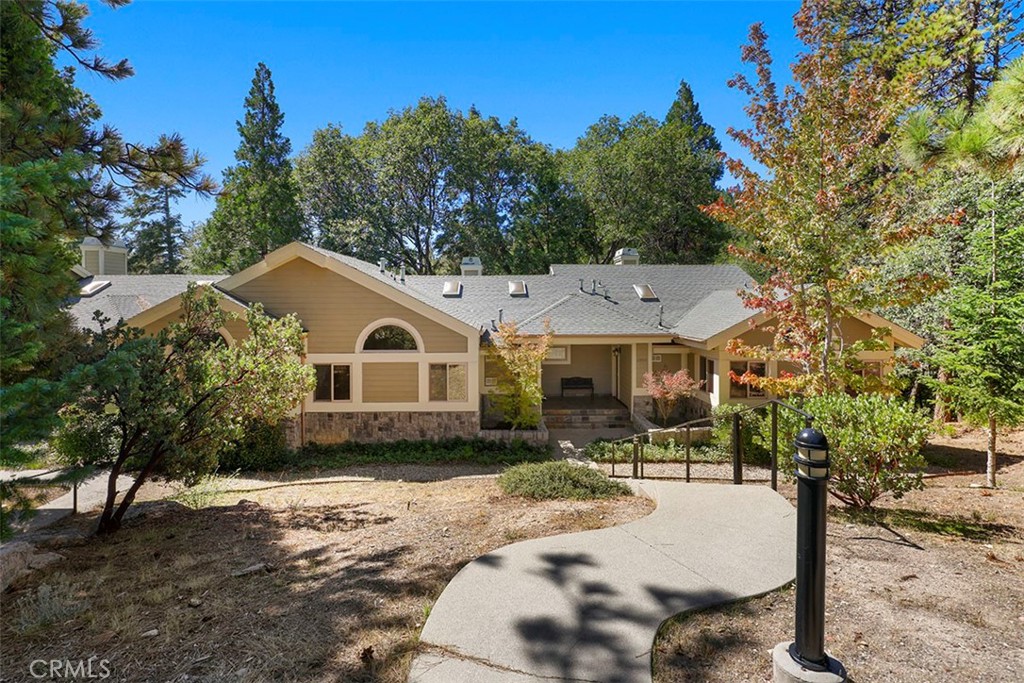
(990, 464)
(111, 519)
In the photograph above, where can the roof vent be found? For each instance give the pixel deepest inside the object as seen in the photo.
(382, 264)
(626, 257)
(472, 265)
(517, 288)
(94, 287)
(452, 289)
(645, 292)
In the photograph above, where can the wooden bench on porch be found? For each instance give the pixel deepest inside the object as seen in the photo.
(578, 384)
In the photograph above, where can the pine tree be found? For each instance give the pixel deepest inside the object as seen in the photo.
(154, 233)
(61, 178)
(257, 211)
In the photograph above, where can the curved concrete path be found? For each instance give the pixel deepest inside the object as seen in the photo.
(586, 606)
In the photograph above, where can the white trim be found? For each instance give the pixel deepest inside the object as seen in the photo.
(385, 322)
(566, 360)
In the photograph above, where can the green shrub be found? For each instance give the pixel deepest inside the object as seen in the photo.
(622, 452)
(446, 451)
(263, 447)
(559, 479)
(875, 445)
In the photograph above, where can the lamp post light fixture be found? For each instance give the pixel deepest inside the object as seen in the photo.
(805, 658)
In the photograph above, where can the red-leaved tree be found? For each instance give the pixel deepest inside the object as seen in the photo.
(668, 388)
(826, 211)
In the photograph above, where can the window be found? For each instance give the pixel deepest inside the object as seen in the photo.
(94, 287)
(333, 383)
(707, 373)
(448, 382)
(452, 289)
(390, 338)
(872, 368)
(756, 367)
(645, 292)
(517, 288)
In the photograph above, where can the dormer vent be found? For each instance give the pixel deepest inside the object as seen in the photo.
(645, 292)
(452, 289)
(517, 288)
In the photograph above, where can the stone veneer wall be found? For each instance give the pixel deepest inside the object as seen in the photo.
(327, 428)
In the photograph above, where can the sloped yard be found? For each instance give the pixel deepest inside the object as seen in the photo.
(320, 580)
(929, 589)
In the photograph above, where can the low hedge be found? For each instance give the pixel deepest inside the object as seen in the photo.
(559, 479)
(447, 451)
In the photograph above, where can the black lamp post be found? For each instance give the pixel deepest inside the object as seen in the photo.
(812, 464)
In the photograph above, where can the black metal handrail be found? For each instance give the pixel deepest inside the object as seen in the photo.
(737, 442)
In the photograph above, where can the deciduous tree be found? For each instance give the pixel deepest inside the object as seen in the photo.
(166, 405)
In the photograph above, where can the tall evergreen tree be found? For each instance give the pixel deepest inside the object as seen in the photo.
(645, 181)
(257, 211)
(61, 178)
(153, 231)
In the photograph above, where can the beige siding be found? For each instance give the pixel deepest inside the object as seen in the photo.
(855, 330)
(391, 383)
(587, 361)
(236, 328)
(115, 263)
(670, 362)
(91, 261)
(757, 337)
(335, 309)
(642, 351)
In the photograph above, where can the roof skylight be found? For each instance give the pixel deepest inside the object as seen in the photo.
(94, 287)
(517, 288)
(452, 289)
(645, 292)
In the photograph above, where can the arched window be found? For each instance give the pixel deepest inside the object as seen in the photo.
(390, 338)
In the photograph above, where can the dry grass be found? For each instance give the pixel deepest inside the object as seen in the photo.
(352, 569)
(928, 588)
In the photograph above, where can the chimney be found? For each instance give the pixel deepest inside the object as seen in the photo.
(626, 256)
(471, 265)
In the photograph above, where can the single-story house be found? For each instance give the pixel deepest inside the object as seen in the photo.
(403, 356)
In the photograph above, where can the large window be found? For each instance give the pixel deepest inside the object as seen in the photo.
(448, 382)
(390, 338)
(756, 367)
(333, 383)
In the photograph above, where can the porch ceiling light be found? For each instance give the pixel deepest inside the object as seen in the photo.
(645, 292)
(452, 289)
(517, 288)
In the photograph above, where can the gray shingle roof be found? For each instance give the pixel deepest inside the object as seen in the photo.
(129, 295)
(694, 301)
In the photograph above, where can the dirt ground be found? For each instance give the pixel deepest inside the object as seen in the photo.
(338, 577)
(929, 589)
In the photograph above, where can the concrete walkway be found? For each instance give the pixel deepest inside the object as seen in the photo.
(91, 493)
(586, 606)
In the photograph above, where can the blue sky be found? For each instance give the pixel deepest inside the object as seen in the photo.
(557, 67)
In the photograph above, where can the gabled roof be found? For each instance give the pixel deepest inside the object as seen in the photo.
(129, 295)
(696, 302)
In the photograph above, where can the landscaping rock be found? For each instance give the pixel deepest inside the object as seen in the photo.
(14, 561)
(254, 569)
(63, 539)
(40, 560)
(153, 633)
